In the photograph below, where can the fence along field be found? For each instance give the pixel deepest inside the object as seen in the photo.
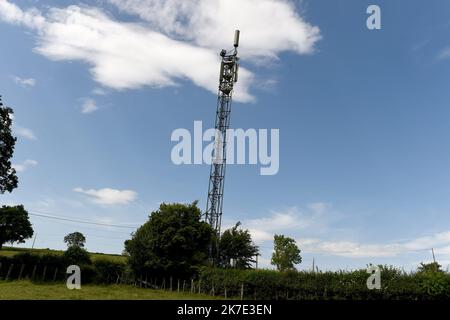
(46, 268)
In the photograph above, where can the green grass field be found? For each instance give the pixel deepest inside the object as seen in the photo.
(26, 290)
(10, 251)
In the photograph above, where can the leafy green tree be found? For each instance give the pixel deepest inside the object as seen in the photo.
(77, 255)
(286, 253)
(174, 241)
(430, 267)
(236, 248)
(8, 177)
(75, 239)
(15, 225)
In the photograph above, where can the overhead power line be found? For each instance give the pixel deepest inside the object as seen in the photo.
(35, 213)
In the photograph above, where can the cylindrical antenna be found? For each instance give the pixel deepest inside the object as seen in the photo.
(236, 38)
(221, 72)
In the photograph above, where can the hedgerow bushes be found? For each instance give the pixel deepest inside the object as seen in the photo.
(250, 284)
(268, 284)
(50, 267)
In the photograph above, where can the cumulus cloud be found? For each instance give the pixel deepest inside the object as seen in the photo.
(179, 41)
(444, 54)
(292, 219)
(268, 26)
(24, 132)
(24, 82)
(319, 218)
(89, 106)
(108, 196)
(30, 18)
(99, 92)
(20, 167)
(440, 241)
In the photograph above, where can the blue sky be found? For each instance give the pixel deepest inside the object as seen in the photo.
(98, 87)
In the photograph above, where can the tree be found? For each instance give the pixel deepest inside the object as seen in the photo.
(236, 245)
(429, 267)
(75, 239)
(8, 177)
(77, 255)
(286, 253)
(174, 241)
(15, 225)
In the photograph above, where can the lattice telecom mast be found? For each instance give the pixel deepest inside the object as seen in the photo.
(228, 76)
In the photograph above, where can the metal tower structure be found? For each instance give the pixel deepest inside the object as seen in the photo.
(227, 78)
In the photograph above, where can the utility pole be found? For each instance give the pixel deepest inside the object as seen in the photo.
(227, 77)
(34, 240)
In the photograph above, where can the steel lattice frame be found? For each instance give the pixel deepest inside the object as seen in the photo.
(228, 76)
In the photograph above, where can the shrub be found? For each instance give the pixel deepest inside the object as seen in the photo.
(76, 255)
(269, 284)
(173, 242)
(108, 271)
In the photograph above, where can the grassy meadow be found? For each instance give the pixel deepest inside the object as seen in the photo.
(11, 251)
(26, 290)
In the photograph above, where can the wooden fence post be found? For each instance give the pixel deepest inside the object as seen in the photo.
(242, 292)
(199, 286)
(225, 292)
(21, 271)
(34, 272)
(43, 274)
(8, 275)
(192, 285)
(178, 286)
(55, 274)
(184, 284)
(170, 283)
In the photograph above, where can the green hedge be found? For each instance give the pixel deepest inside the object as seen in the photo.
(269, 284)
(55, 266)
(256, 284)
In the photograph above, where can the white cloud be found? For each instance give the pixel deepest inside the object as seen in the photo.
(24, 132)
(11, 13)
(180, 41)
(99, 92)
(317, 218)
(268, 27)
(20, 167)
(89, 106)
(260, 236)
(24, 82)
(439, 241)
(292, 219)
(444, 54)
(108, 196)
